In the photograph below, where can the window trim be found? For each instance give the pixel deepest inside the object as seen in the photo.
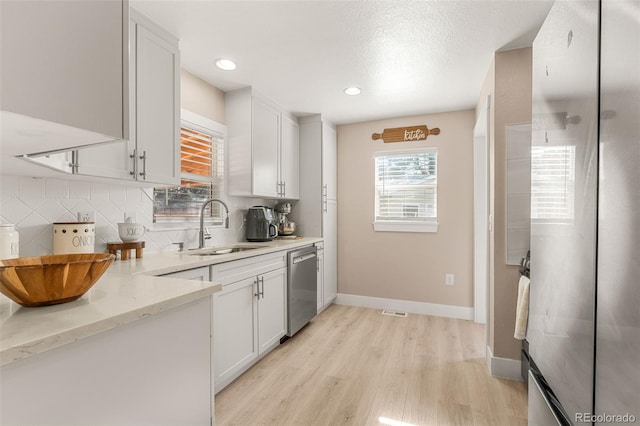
(202, 124)
(416, 226)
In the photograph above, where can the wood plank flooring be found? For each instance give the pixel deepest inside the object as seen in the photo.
(354, 366)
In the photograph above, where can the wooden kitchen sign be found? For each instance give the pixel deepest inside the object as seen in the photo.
(405, 134)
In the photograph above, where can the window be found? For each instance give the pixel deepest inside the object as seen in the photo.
(553, 183)
(406, 186)
(202, 177)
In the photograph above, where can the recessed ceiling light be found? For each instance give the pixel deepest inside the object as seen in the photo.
(352, 91)
(226, 64)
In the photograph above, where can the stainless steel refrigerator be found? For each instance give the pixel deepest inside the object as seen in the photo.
(584, 317)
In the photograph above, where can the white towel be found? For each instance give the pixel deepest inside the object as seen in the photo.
(522, 308)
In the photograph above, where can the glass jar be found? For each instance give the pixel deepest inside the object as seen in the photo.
(9, 241)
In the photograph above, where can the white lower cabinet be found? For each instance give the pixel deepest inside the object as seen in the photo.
(330, 234)
(320, 268)
(235, 328)
(153, 371)
(249, 314)
(272, 301)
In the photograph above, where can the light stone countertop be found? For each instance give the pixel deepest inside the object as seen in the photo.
(128, 291)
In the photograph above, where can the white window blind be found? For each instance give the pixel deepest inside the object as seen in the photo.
(202, 177)
(553, 183)
(406, 186)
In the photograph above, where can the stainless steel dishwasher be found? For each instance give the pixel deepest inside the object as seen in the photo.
(302, 284)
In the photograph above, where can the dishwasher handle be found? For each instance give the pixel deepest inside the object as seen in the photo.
(303, 258)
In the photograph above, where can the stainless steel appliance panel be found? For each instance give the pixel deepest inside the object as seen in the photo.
(541, 412)
(564, 195)
(618, 319)
(302, 288)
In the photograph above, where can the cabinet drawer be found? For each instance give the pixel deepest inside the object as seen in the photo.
(197, 274)
(230, 272)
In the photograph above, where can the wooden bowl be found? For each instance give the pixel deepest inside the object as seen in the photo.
(50, 280)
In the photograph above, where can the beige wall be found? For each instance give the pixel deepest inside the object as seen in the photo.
(509, 83)
(407, 266)
(201, 98)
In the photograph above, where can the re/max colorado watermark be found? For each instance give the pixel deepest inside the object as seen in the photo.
(605, 418)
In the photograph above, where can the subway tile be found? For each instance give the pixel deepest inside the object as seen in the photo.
(32, 191)
(79, 190)
(118, 194)
(56, 189)
(99, 191)
(134, 194)
(14, 210)
(53, 211)
(9, 186)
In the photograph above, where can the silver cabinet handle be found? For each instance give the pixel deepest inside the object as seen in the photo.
(257, 283)
(134, 172)
(75, 163)
(325, 197)
(262, 292)
(143, 157)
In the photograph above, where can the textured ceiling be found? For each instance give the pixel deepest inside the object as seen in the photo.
(408, 57)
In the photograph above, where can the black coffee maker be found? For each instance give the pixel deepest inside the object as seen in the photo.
(261, 224)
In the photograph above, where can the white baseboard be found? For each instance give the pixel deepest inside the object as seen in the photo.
(448, 311)
(504, 368)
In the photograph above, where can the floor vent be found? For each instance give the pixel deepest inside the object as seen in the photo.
(394, 313)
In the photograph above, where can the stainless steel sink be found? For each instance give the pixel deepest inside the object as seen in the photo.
(217, 251)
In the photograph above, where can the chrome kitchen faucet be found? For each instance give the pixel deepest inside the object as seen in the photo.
(204, 206)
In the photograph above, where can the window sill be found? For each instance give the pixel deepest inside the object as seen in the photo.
(391, 226)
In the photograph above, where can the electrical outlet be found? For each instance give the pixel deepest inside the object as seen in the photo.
(87, 216)
(448, 279)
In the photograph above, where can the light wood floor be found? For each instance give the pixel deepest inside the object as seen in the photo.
(354, 366)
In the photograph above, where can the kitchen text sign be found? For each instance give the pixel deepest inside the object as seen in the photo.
(405, 134)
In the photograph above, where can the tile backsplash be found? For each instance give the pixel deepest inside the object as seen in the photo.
(33, 204)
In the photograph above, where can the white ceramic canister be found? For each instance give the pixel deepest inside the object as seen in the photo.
(74, 237)
(9, 241)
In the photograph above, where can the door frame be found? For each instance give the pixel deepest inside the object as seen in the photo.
(481, 220)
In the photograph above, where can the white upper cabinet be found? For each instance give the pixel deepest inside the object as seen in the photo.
(61, 76)
(157, 103)
(329, 161)
(262, 147)
(152, 152)
(265, 132)
(289, 158)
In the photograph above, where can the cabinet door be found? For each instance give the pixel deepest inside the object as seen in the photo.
(290, 158)
(272, 314)
(330, 235)
(329, 162)
(157, 107)
(265, 136)
(320, 298)
(110, 160)
(63, 61)
(235, 330)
